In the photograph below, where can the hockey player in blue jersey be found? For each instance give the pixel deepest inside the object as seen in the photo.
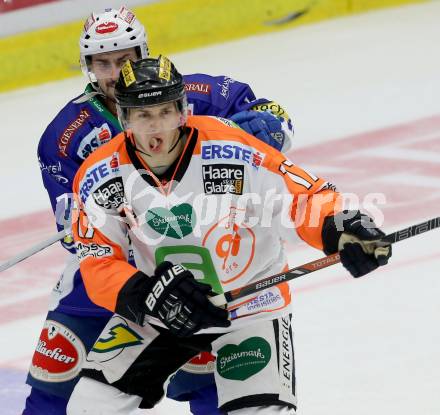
(85, 123)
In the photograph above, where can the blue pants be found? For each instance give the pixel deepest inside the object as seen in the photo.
(202, 402)
(199, 390)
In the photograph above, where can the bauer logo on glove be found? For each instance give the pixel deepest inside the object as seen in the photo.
(181, 303)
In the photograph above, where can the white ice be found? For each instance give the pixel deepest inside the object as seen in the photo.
(368, 346)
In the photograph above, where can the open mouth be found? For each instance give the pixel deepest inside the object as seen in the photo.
(155, 144)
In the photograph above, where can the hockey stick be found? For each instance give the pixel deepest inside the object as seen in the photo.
(33, 250)
(291, 274)
(292, 16)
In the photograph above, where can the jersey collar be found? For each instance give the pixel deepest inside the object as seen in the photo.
(174, 173)
(98, 105)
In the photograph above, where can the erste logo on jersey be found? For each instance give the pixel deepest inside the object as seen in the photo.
(96, 173)
(59, 354)
(223, 178)
(96, 138)
(233, 151)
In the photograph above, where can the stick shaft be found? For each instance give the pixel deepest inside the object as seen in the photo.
(33, 250)
(316, 265)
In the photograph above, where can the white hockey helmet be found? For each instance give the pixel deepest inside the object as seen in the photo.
(110, 31)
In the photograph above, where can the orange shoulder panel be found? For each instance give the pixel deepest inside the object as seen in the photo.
(116, 144)
(211, 128)
(103, 277)
(311, 203)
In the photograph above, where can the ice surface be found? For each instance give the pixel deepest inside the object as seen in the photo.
(364, 95)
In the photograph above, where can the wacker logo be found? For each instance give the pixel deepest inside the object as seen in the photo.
(245, 360)
(59, 354)
(110, 195)
(223, 178)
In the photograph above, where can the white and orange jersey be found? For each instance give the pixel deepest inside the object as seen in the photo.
(222, 210)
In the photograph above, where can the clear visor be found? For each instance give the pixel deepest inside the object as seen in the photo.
(107, 66)
(153, 119)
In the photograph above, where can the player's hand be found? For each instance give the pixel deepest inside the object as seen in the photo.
(262, 125)
(182, 303)
(357, 239)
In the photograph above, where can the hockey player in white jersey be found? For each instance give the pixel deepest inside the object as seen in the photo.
(197, 193)
(85, 123)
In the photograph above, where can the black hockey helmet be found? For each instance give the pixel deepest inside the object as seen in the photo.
(147, 82)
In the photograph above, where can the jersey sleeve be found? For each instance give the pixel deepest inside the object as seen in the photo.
(102, 246)
(57, 173)
(220, 96)
(75, 132)
(310, 200)
(224, 97)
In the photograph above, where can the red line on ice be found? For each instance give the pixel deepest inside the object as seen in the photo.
(9, 6)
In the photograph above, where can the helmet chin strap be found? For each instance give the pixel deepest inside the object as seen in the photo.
(89, 95)
(133, 145)
(181, 135)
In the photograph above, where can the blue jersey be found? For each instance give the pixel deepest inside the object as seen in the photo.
(81, 127)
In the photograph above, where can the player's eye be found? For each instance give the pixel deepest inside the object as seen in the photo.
(121, 62)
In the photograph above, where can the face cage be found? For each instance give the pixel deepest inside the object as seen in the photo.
(182, 107)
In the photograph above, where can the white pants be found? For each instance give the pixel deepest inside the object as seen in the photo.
(264, 410)
(108, 400)
(254, 368)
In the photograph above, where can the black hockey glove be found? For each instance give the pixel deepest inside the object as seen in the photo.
(357, 239)
(181, 302)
